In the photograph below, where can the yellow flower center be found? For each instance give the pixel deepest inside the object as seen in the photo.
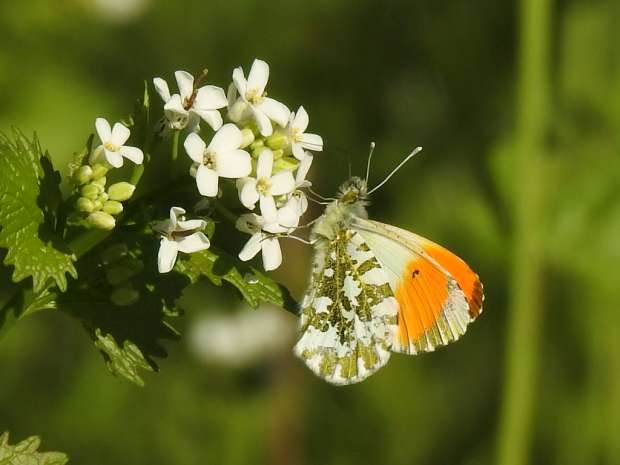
(263, 185)
(254, 96)
(110, 146)
(208, 159)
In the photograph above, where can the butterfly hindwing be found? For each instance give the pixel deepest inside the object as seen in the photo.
(349, 313)
(437, 293)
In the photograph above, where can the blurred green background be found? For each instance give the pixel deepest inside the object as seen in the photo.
(517, 105)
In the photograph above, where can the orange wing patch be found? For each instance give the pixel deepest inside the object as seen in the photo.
(464, 275)
(421, 294)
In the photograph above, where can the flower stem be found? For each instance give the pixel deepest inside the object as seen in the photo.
(515, 429)
(224, 211)
(175, 145)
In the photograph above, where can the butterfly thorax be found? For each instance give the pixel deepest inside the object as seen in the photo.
(350, 203)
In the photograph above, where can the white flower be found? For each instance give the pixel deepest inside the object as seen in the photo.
(297, 203)
(300, 140)
(179, 235)
(187, 107)
(112, 140)
(262, 188)
(221, 158)
(252, 92)
(260, 241)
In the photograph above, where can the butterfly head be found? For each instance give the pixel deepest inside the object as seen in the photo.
(353, 190)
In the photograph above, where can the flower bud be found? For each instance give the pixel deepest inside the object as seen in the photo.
(83, 174)
(84, 204)
(99, 170)
(90, 191)
(257, 145)
(121, 191)
(102, 220)
(100, 181)
(113, 207)
(114, 253)
(285, 163)
(124, 296)
(103, 197)
(247, 137)
(277, 141)
(118, 274)
(97, 205)
(278, 154)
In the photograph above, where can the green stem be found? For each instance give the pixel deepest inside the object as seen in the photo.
(224, 212)
(524, 319)
(83, 243)
(175, 145)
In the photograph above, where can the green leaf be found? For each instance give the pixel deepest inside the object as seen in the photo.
(128, 336)
(78, 158)
(25, 453)
(29, 197)
(217, 266)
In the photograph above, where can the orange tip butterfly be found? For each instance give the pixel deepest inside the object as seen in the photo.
(377, 289)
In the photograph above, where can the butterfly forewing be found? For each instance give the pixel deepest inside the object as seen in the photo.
(349, 313)
(437, 293)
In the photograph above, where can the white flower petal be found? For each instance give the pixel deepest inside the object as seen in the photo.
(276, 228)
(268, 208)
(248, 195)
(303, 168)
(258, 77)
(175, 213)
(211, 117)
(264, 165)
(193, 243)
(120, 134)
(301, 120)
(249, 223)
(251, 247)
(175, 106)
(231, 93)
(114, 158)
(207, 181)
(298, 150)
(162, 89)
(195, 147)
(188, 225)
(167, 255)
(312, 142)
(272, 254)
(103, 130)
(227, 138)
(288, 215)
(275, 110)
(239, 80)
(185, 81)
(262, 121)
(132, 153)
(282, 183)
(210, 98)
(233, 164)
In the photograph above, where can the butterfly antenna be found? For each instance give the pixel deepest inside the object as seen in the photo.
(372, 149)
(387, 178)
(313, 192)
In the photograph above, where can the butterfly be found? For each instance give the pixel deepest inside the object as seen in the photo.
(377, 289)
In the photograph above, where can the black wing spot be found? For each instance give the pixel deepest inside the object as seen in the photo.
(415, 273)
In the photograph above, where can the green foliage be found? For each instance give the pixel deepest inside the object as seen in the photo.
(26, 453)
(29, 196)
(128, 336)
(255, 287)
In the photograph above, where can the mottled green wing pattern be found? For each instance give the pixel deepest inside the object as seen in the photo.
(349, 313)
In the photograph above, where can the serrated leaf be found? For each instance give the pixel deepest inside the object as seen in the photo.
(26, 453)
(128, 337)
(29, 196)
(78, 158)
(255, 287)
(123, 361)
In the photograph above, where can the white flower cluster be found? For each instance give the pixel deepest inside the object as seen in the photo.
(262, 145)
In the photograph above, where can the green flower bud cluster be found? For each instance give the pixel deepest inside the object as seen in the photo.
(100, 206)
(120, 268)
(278, 143)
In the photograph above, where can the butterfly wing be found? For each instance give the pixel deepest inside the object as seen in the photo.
(349, 313)
(437, 292)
